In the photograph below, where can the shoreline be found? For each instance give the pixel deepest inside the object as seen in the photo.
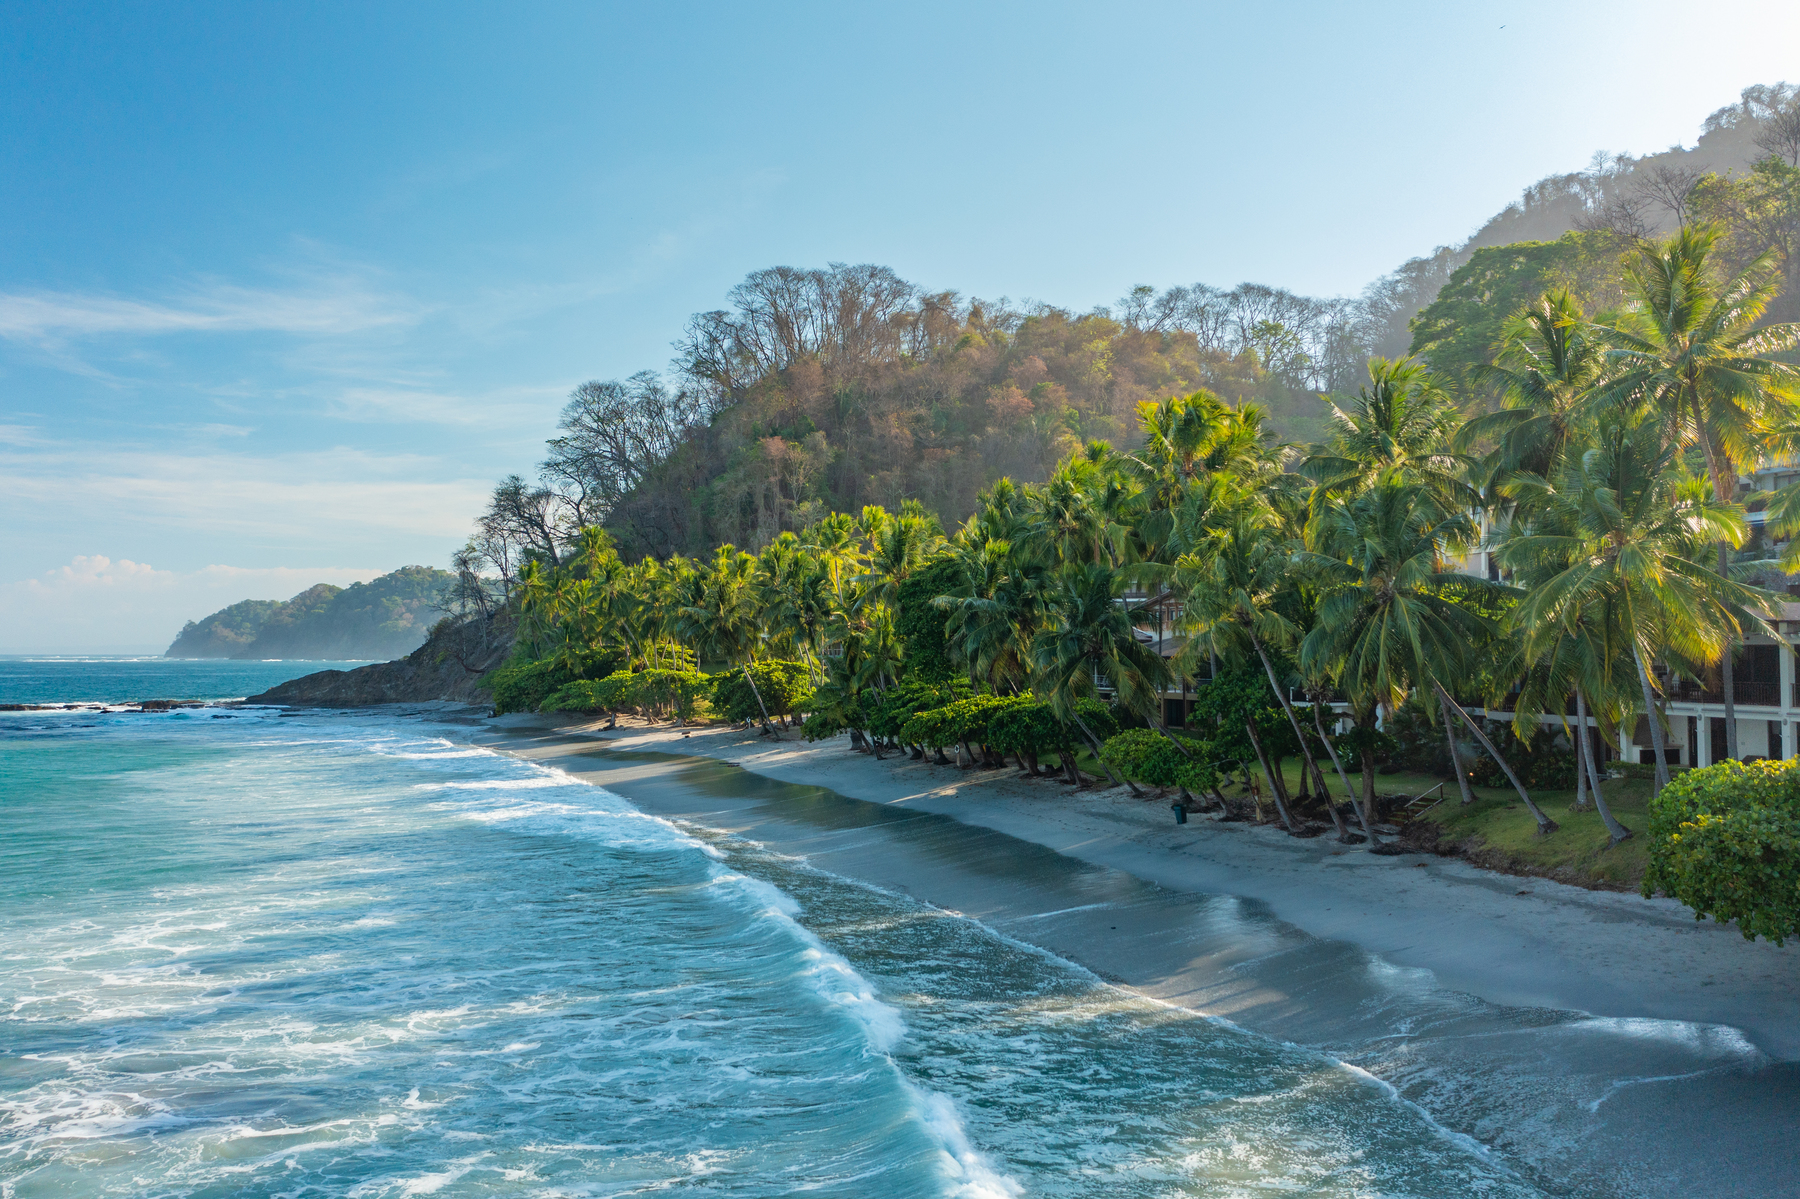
(1516, 941)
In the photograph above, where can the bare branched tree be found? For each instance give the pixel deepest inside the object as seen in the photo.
(473, 593)
(612, 435)
(525, 522)
(1627, 215)
(1669, 186)
(847, 318)
(1780, 132)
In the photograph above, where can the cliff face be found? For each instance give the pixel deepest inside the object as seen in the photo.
(446, 667)
(383, 618)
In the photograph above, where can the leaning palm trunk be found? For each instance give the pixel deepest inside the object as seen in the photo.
(1456, 766)
(1727, 671)
(1366, 811)
(1338, 765)
(1655, 721)
(1299, 738)
(1337, 818)
(768, 726)
(1617, 831)
(1581, 752)
(1544, 823)
(1094, 743)
(1593, 769)
(1287, 821)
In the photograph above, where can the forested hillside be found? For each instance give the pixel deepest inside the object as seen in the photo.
(381, 619)
(821, 390)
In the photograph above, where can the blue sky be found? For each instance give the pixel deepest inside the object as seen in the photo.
(285, 287)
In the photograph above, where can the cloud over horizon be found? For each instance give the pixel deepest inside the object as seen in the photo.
(98, 604)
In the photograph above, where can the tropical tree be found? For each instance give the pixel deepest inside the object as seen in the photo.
(1089, 636)
(1693, 351)
(1615, 540)
(1392, 617)
(1399, 429)
(1548, 362)
(722, 623)
(1234, 578)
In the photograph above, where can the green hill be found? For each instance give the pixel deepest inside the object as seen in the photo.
(382, 619)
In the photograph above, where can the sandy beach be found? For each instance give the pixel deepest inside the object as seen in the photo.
(1602, 1043)
(1520, 942)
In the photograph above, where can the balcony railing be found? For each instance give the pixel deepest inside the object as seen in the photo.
(1743, 691)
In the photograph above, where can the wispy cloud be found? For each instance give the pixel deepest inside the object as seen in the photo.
(427, 406)
(305, 498)
(98, 604)
(327, 306)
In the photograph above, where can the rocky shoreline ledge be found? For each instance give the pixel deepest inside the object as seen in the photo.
(445, 668)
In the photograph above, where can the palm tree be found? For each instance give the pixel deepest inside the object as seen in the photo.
(722, 621)
(1622, 527)
(1549, 360)
(1692, 352)
(1391, 618)
(899, 546)
(993, 611)
(1399, 428)
(1089, 635)
(1234, 577)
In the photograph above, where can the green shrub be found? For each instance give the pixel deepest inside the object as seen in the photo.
(964, 720)
(1100, 719)
(785, 687)
(1029, 727)
(1149, 757)
(1350, 746)
(833, 713)
(914, 695)
(1726, 841)
(523, 686)
(1538, 763)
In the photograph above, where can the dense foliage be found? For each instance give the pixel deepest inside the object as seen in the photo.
(654, 692)
(1149, 757)
(780, 689)
(1381, 598)
(1726, 841)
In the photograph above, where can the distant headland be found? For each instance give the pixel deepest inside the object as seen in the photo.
(384, 618)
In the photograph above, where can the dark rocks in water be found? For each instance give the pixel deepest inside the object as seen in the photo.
(446, 667)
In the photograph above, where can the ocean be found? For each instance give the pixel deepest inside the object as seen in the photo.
(248, 953)
(45, 678)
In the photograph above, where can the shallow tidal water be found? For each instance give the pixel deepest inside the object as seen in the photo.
(249, 955)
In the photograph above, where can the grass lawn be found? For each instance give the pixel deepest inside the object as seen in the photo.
(1496, 830)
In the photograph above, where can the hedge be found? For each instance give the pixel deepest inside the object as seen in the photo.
(889, 714)
(656, 692)
(1031, 727)
(524, 686)
(964, 720)
(1725, 840)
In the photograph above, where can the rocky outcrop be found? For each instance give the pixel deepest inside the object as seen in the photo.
(446, 667)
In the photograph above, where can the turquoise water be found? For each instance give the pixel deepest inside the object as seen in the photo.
(43, 679)
(246, 955)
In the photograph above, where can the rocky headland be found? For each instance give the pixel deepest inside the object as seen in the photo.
(446, 667)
